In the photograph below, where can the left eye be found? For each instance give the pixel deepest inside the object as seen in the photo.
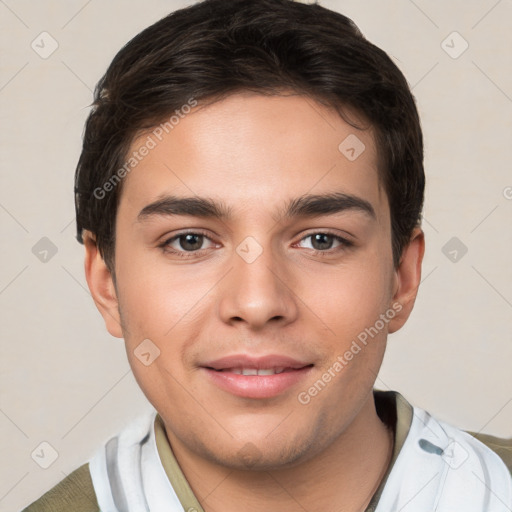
(325, 241)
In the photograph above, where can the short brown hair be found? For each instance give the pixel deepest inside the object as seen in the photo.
(217, 47)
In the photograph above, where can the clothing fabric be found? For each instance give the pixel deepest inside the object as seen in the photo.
(434, 466)
(441, 468)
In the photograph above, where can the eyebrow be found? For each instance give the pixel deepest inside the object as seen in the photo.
(304, 206)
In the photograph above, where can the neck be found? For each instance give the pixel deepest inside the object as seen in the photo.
(342, 478)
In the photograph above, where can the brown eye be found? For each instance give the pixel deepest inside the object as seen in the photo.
(187, 244)
(322, 241)
(191, 241)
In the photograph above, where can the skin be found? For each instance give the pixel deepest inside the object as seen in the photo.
(254, 153)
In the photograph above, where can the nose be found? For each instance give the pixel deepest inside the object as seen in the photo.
(258, 292)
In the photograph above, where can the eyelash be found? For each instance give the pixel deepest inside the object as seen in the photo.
(345, 244)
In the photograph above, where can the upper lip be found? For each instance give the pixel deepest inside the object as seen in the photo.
(259, 363)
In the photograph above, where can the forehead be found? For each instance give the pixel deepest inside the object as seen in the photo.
(255, 153)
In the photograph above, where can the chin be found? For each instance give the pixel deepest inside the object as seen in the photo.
(263, 453)
(252, 457)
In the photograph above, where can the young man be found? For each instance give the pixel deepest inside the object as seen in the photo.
(249, 195)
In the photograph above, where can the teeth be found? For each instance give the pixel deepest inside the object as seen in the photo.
(254, 371)
(270, 371)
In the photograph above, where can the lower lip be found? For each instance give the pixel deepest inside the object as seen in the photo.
(257, 386)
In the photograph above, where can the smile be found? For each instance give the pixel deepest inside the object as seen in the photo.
(256, 377)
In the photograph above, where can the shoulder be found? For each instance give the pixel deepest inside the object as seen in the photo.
(502, 447)
(75, 492)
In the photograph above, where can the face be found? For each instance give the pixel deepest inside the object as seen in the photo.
(241, 292)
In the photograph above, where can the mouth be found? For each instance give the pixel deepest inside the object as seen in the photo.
(256, 378)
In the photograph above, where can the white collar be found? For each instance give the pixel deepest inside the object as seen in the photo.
(443, 469)
(439, 468)
(128, 475)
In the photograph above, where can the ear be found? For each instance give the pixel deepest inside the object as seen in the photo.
(407, 279)
(101, 285)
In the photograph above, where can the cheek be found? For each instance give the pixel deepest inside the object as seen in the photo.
(163, 311)
(348, 299)
(155, 297)
(351, 309)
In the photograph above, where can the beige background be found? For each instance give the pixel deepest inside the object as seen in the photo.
(65, 381)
